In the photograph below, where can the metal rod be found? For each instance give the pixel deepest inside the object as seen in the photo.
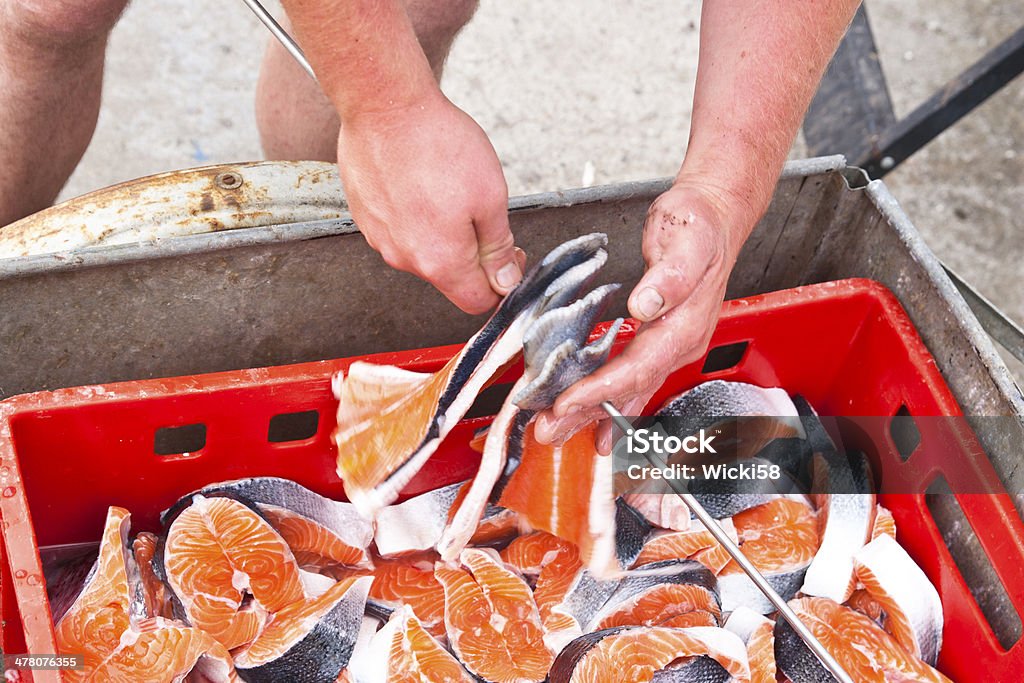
(733, 549)
(944, 108)
(282, 36)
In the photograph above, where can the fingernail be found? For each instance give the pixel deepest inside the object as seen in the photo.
(509, 275)
(542, 430)
(649, 302)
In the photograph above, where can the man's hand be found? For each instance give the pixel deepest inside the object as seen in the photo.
(690, 242)
(427, 191)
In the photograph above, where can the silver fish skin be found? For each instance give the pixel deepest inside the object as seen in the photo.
(886, 561)
(645, 577)
(794, 659)
(340, 517)
(707, 403)
(415, 524)
(323, 651)
(702, 669)
(738, 590)
(488, 351)
(850, 515)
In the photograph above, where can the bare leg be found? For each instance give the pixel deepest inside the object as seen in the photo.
(296, 120)
(51, 74)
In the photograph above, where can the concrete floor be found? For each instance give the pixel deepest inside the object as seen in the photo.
(593, 90)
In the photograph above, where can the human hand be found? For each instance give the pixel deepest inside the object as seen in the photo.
(691, 239)
(426, 189)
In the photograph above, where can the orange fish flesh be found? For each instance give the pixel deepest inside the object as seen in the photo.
(859, 645)
(310, 639)
(219, 550)
(637, 653)
(492, 620)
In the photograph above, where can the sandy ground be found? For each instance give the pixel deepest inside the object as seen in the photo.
(564, 87)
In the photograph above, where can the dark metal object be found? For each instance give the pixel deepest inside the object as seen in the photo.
(852, 114)
(954, 101)
(852, 105)
(998, 325)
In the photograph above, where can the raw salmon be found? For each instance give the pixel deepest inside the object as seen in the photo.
(416, 524)
(492, 620)
(885, 523)
(156, 595)
(661, 509)
(781, 539)
(94, 623)
(410, 580)
(553, 565)
(637, 654)
(313, 544)
(117, 647)
(578, 504)
(404, 652)
(385, 435)
(698, 617)
(748, 416)
(862, 648)
(757, 632)
(314, 525)
(162, 651)
(911, 605)
(218, 551)
(658, 591)
(862, 601)
(848, 513)
(668, 545)
(307, 639)
(556, 356)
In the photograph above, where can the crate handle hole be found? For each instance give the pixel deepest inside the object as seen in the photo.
(904, 432)
(177, 440)
(724, 357)
(293, 426)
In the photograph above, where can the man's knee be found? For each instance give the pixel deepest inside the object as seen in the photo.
(57, 23)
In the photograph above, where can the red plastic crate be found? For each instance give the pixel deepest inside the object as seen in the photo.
(847, 346)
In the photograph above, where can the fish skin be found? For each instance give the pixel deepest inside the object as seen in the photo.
(323, 651)
(850, 514)
(67, 570)
(488, 351)
(647, 576)
(887, 571)
(702, 669)
(737, 590)
(631, 533)
(727, 497)
(341, 518)
(415, 524)
(795, 659)
(555, 349)
(716, 642)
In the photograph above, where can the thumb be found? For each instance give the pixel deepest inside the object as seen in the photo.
(500, 260)
(677, 272)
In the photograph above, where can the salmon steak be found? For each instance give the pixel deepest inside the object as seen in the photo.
(404, 652)
(492, 620)
(116, 645)
(910, 605)
(859, 645)
(218, 552)
(645, 654)
(781, 539)
(310, 639)
(410, 580)
(758, 634)
(318, 529)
